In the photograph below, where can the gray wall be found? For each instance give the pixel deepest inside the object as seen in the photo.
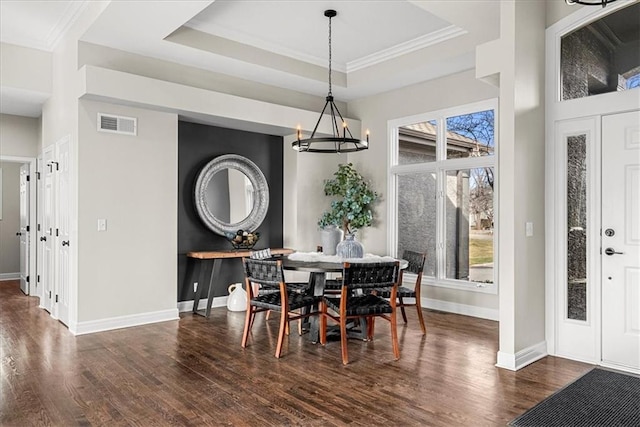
(197, 145)
(10, 222)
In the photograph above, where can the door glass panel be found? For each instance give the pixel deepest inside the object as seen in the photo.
(603, 56)
(417, 216)
(417, 143)
(470, 135)
(469, 225)
(577, 227)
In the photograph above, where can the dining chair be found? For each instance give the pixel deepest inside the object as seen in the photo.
(416, 265)
(274, 295)
(357, 301)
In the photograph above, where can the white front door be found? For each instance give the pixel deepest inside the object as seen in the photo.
(24, 228)
(621, 240)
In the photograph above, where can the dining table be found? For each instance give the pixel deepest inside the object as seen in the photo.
(318, 265)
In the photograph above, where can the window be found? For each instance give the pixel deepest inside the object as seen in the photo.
(603, 56)
(442, 193)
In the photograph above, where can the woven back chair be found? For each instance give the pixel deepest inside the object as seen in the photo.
(416, 265)
(274, 295)
(357, 301)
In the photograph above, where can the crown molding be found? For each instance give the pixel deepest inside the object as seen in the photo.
(405, 48)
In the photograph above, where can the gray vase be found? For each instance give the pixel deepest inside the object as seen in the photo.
(350, 247)
(330, 236)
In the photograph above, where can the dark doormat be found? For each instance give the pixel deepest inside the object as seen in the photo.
(599, 398)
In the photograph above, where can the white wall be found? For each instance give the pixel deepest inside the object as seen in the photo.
(519, 59)
(374, 113)
(25, 69)
(10, 219)
(19, 136)
(131, 181)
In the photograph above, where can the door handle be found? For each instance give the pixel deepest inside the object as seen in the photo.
(65, 243)
(611, 251)
(43, 239)
(18, 234)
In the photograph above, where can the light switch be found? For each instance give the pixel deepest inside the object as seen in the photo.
(102, 224)
(528, 229)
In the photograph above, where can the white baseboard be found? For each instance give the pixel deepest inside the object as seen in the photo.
(202, 305)
(464, 309)
(81, 328)
(9, 276)
(524, 357)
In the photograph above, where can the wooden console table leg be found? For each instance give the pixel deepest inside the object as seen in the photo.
(215, 272)
(205, 272)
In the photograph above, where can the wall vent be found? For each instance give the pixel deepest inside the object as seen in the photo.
(117, 124)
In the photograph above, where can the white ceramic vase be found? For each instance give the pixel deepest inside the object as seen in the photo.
(237, 299)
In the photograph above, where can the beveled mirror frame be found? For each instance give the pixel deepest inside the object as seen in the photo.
(260, 194)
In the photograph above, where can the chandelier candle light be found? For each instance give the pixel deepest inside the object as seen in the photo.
(339, 142)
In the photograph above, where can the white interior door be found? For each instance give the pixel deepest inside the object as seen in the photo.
(63, 258)
(621, 240)
(24, 228)
(47, 230)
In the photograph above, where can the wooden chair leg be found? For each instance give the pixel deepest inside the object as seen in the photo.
(284, 325)
(371, 322)
(248, 322)
(343, 340)
(323, 323)
(394, 336)
(421, 318)
(401, 305)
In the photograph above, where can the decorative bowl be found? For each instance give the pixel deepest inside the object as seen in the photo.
(243, 239)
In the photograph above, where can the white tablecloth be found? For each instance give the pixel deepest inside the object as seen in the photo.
(320, 257)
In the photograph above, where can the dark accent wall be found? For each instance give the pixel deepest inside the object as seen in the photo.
(197, 145)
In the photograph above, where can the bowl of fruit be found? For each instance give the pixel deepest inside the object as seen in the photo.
(243, 239)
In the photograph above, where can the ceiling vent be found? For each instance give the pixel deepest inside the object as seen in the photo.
(117, 124)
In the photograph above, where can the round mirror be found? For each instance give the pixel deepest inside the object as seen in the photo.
(231, 194)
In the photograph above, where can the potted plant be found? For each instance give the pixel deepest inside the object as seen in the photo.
(351, 210)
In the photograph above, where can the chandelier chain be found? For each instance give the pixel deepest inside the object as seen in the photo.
(330, 56)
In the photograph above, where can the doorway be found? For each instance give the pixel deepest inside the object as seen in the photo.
(593, 188)
(17, 217)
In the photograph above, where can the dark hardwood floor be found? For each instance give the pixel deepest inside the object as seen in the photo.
(194, 372)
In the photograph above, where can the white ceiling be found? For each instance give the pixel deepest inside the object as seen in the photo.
(279, 43)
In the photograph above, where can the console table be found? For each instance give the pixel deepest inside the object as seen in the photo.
(203, 259)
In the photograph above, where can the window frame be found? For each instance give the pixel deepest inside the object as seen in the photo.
(440, 167)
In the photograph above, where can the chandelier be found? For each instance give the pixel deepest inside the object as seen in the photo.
(341, 140)
(602, 3)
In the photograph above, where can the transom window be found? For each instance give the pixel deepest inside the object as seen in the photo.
(442, 182)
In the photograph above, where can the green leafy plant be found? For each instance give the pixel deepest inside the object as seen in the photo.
(353, 208)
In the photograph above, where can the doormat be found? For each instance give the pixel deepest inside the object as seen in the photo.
(599, 398)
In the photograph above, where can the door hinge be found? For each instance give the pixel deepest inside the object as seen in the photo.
(28, 228)
(38, 175)
(27, 279)
(38, 227)
(56, 232)
(28, 178)
(38, 278)
(49, 294)
(56, 298)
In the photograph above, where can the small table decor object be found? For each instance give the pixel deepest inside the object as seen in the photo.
(243, 239)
